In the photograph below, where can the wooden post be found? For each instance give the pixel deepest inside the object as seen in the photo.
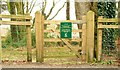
(90, 35)
(99, 41)
(39, 28)
(0, 47)
(29, 44)
(84, 38)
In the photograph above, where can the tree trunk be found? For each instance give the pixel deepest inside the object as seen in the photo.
(13, 28)
(16, 31)
(81, 8)
(68, 10)
(20, 29)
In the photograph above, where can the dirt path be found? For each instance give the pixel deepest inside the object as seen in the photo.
(44, 65)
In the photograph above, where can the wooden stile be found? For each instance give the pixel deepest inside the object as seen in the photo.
(39, 23)
(90, 36)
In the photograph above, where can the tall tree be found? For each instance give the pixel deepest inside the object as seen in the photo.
(68, 9)
(19, 6)
(119, 17)
(14, 9)
(11, 8)
(81, 8)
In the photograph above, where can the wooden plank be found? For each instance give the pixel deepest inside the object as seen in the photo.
(15, 23)
(108, 26)
(55, 49)
(16, 16)
(59, 40)
(84, 39)
(99, 43)
(29, 44)
(39, 28)
(69, 56)
(59, 21)
(80, 30)
(107, 19)
(90, 35)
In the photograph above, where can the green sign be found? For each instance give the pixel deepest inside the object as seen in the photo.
(66, 30)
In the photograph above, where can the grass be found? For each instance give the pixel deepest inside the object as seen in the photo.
(13, 54)
(21, 53)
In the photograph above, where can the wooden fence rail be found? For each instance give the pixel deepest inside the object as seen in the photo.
(16, 16)
(19, 20)
(100, 26)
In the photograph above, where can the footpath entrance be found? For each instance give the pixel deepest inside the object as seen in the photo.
(85, 51)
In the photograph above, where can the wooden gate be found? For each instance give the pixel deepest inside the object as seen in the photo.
(87, 37)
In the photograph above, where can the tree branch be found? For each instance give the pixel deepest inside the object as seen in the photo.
(32, 7)
(58, 11)
(50, 10)
(31, 4)
(43, 9)
(57, 2)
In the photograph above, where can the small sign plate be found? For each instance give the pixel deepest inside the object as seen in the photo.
(66, 30)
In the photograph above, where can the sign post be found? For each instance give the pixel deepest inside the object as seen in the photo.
(66, 30)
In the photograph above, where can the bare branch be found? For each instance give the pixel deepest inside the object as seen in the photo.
(58, 11)
(50, 10)
(54, 3)
(43, 9)
(32, 7)
(31, 4)
(57, 2)
(27, 7)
